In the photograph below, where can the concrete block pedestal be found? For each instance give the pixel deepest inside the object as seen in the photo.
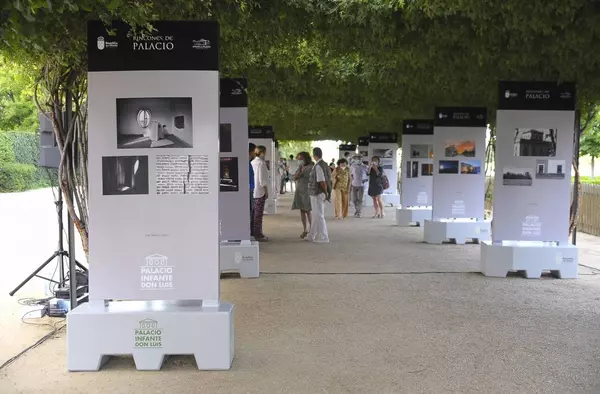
(457, 231)
(242, 256)
(411, 216)
(150, 330)
(497, 259)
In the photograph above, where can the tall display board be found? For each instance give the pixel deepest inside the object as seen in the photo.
(459, 160)
(532, 189)
(234, 209)
(363, 149)
(346, 151)
(534, 150)
(153, 170)
(385, 145)
(153, 140)
(265, 136)
(417, 163)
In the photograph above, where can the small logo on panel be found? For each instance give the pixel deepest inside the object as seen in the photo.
(566, 95)
(236, 92)
(508, 94)
(201, 44)
(100, 43)
(148, 335)
(409, 126)
(156, 274)
(442, 116)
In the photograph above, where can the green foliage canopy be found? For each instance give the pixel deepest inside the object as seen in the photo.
(336, 69)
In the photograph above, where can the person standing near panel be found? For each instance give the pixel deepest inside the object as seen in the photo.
(261, 191)
(319, 187)
(293, 167)
(301, 196)
(376, 186)
(251, 148)
(341, 187)
(358, 175)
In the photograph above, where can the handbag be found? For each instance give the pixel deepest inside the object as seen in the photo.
(385, 182)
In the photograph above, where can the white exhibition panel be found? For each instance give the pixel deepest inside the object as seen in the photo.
(346, 151)
(234, 196)
(153, 166)
(459, 163)
(171, 237)
(532, 190)
(417, 164)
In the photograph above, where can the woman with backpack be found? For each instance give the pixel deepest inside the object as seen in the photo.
(377, 184)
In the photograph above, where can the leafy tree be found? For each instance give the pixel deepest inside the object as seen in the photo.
(17, 108)
(292, 147)
(589, 145)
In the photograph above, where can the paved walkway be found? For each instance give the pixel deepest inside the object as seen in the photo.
(374, 311)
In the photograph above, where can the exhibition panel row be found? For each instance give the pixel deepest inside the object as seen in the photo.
(154, 187)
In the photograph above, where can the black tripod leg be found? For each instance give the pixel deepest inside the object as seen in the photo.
(41, 267)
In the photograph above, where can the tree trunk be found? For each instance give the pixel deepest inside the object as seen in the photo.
(593, 163)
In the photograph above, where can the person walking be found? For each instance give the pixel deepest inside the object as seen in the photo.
(376, 186)
(283, 175)
(293, 166)
(301, 196)
(358, 175)
(261, 191)
(319, 188)
(341, 188)
(251, 149)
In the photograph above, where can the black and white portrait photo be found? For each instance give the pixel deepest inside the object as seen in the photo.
(225, 137)
(229, 180)
(124, 175)
(535, 142)
(154, 123)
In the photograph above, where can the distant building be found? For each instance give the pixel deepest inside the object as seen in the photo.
(451, 151)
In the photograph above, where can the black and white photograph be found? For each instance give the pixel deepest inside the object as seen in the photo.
(225, 137)
(230, 181)
(448, 167)
(154, 123)
(414, 169)
(182, 174)
(535, 142)
(426, 169)
(420, 151)
(516, 176)
(124, 175)
(383, 153)
(550, 169)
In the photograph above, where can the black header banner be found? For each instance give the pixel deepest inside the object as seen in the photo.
(261, 132)
(363, 141)
(173, 45)
(383, 137)
(233, 93)
(540, 96)
(461, 116)
(347, 147)
(417, 126)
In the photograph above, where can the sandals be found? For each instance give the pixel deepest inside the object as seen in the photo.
(303, 235)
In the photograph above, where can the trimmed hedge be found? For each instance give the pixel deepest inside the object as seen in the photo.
(16, 177)
(19, 155)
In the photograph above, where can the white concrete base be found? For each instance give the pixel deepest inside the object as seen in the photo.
(498, 259)
(392, 200)
(411, 216)
(240, 256)
(150, 330)
(436, 232)
(271, 206)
